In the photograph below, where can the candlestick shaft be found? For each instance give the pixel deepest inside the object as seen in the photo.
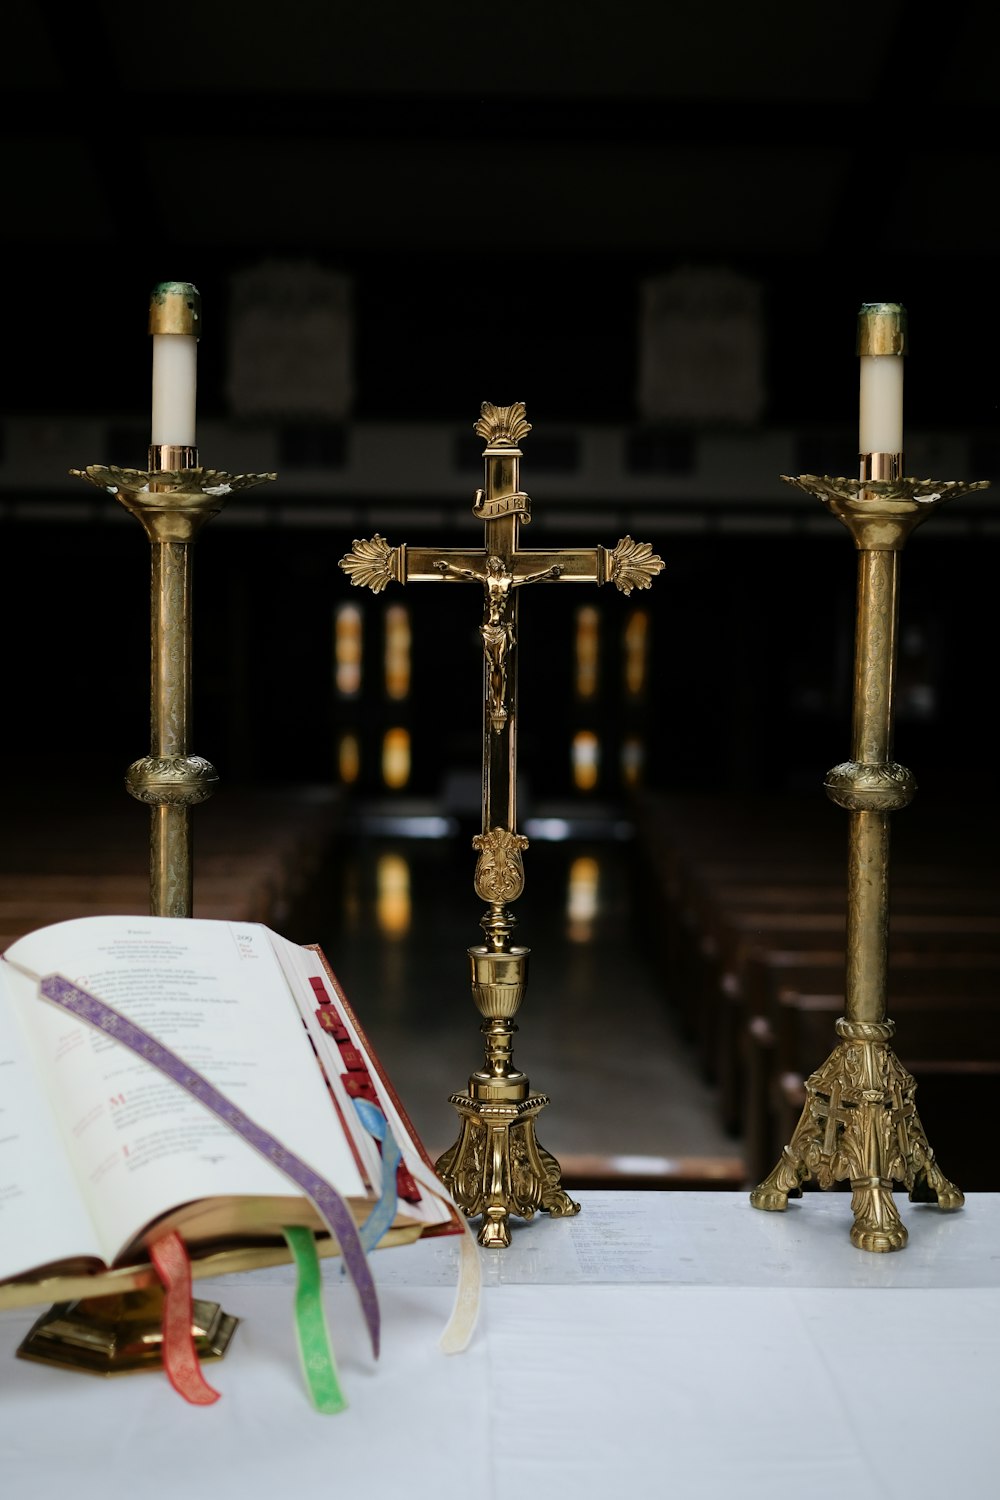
(170, 636)
(867, 972)
(171, 873)
(171, 868)
(875, 656)
(872, 732)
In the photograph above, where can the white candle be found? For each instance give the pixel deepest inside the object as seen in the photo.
(175, 383)
(174, 322)
(881, 345)
(880, 429)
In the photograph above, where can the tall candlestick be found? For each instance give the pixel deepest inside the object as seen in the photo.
(881, 346)
(175, 324)
(860, 1122)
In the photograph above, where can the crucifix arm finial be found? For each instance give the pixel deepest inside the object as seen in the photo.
(371, 563)
(632, 565)
(502, 425)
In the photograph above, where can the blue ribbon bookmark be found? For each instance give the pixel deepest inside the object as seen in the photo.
(383, 1214)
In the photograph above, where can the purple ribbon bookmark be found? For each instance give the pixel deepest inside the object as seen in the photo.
(330, 1205)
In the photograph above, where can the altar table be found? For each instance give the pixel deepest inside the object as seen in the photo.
(675, 1344)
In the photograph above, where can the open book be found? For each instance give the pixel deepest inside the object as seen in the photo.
(101, 1152)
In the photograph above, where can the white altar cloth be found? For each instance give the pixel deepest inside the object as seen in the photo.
(678, 1344)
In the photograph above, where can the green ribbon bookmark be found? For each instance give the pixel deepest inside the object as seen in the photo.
(318, 1363)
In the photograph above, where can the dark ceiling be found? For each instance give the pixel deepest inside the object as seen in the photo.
(497, 182)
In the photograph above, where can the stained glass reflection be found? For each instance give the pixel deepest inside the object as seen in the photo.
(582, 897)
(636, 643)
(396, 758)
(347, 650)
(587, 651)
(397, 652)
(348, 758)
(586, 756)
(392, 895)
(633, 760)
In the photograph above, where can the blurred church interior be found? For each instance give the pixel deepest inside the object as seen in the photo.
(654, 226)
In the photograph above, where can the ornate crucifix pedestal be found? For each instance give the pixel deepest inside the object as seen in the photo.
(497, 1168)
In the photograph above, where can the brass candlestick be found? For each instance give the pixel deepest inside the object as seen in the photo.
(860, 1121)
(172, 499)
(497, 1168)
(117, 1327)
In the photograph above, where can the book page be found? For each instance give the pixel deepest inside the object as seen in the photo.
(213, 992)
(42, 1216)
(304, 964)
(299, 966)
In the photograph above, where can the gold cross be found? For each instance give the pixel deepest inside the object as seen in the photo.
(502, 567)
(497, 1168)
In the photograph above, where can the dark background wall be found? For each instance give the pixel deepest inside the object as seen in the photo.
(497, 185)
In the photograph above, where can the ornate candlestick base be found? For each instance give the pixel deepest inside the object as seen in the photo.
(120, 1334)
(497, 1168)
(860, 1125)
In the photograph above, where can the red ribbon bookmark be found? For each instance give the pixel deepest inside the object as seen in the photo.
(180, 1359)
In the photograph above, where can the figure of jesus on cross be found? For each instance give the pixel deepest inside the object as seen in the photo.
(497, 629)
(497, 1168)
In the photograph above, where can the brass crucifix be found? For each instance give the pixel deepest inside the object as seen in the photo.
(497, 1168)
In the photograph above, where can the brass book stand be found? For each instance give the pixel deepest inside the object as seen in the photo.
(111, 1323)
(860, 1122)
(497, 1167)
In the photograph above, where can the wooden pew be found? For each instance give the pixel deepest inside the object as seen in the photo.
(743, 933)
(745, 949)
(771, 973)
(679, 838)
(256, 854)
(731, 889)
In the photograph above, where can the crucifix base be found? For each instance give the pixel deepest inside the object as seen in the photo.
(860, 1125)
(497, 1168)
